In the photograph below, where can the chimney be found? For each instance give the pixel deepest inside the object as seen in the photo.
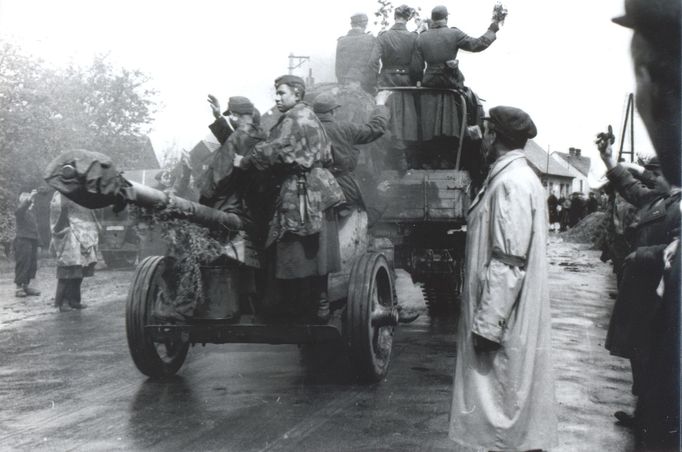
(577, 152)
(574, 152)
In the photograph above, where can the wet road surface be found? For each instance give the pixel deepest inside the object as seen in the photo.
(67, 383)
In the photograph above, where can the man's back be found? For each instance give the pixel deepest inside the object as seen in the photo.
(357, 59)
(396, 47)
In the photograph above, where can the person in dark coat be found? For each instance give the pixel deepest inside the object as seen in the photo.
(438, 46)
(230, 189)
(396, 47)
(577, 210)
(631, 326)
(344, 137)
(440, 113)
(26, 244)
(592, 204)
(656, 57)
(552, 204)
(357, 55)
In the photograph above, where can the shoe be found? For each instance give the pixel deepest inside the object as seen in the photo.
(63, 308)
(20, 293)
(30, 291)
(78, 306)
(624, 419)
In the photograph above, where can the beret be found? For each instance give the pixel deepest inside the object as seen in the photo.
(324, 103)
(289, 80)
(659, 19)
(513, 123)
(358, 18)
(440, 12)
(239, 105)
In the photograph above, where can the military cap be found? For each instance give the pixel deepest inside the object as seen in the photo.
(324, 103)
(404, 12)
(656, 18)
(290, 80)
(653, 163)
(440, 12)
(358, 18)
(512, 123)
(239, 105)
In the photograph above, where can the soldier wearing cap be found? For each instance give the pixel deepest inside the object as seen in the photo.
(438, 47)
(344, 136)
(302, 241)
(232, 189)
(357, 55)
(504, 386)
(396, 46)
(656, 56)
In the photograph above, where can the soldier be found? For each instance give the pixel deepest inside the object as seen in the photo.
(396, 46)
(345, 135)
(357, 55)
(302, 240)
(438, 47)
(233, 189)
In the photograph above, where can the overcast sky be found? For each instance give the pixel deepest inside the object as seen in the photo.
(565, 63)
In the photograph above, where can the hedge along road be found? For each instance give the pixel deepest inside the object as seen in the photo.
(68, 381)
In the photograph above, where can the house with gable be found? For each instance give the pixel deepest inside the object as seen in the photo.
(553, 175)
(578, 166)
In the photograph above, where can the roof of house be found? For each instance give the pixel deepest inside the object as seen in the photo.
(132, 152)
(539, 159)
(580, 163)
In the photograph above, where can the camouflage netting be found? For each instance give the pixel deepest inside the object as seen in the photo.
(587, 229)
(192, 246)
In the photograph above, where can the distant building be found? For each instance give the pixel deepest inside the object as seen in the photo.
(578, 166)
(552, 175)
(132, 152)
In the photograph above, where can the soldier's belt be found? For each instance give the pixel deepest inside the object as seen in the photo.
(394, 70)
(509, 259)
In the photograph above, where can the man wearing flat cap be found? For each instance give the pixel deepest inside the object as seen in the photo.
(503, 396)
(357, 56)
(302, 244)
(656, 57)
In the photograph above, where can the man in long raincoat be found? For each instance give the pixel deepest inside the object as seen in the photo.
(503, 397)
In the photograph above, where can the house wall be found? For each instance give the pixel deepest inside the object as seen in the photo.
(579, 183)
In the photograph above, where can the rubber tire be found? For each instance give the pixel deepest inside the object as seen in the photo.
(139, 308)
(371, 271)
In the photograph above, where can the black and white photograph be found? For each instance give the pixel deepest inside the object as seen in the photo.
(360, 225)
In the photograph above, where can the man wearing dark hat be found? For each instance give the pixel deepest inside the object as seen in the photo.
(357, 55)
(438, 47)
(656, 56)
(232, 189)
(504, 385)
(345, 135)
(302, 240)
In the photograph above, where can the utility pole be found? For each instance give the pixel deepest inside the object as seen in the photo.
(296, 61)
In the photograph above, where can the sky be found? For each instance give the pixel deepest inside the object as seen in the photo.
(565, 63)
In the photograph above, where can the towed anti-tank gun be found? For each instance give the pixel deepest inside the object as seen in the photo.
(364, 311)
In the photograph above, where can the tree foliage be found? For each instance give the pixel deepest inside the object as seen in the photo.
(46, 110)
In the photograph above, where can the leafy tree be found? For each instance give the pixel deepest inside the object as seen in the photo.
(47, 110)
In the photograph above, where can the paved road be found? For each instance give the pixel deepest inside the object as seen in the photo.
(67, 383)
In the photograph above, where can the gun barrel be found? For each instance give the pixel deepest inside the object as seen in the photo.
(91, 180)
